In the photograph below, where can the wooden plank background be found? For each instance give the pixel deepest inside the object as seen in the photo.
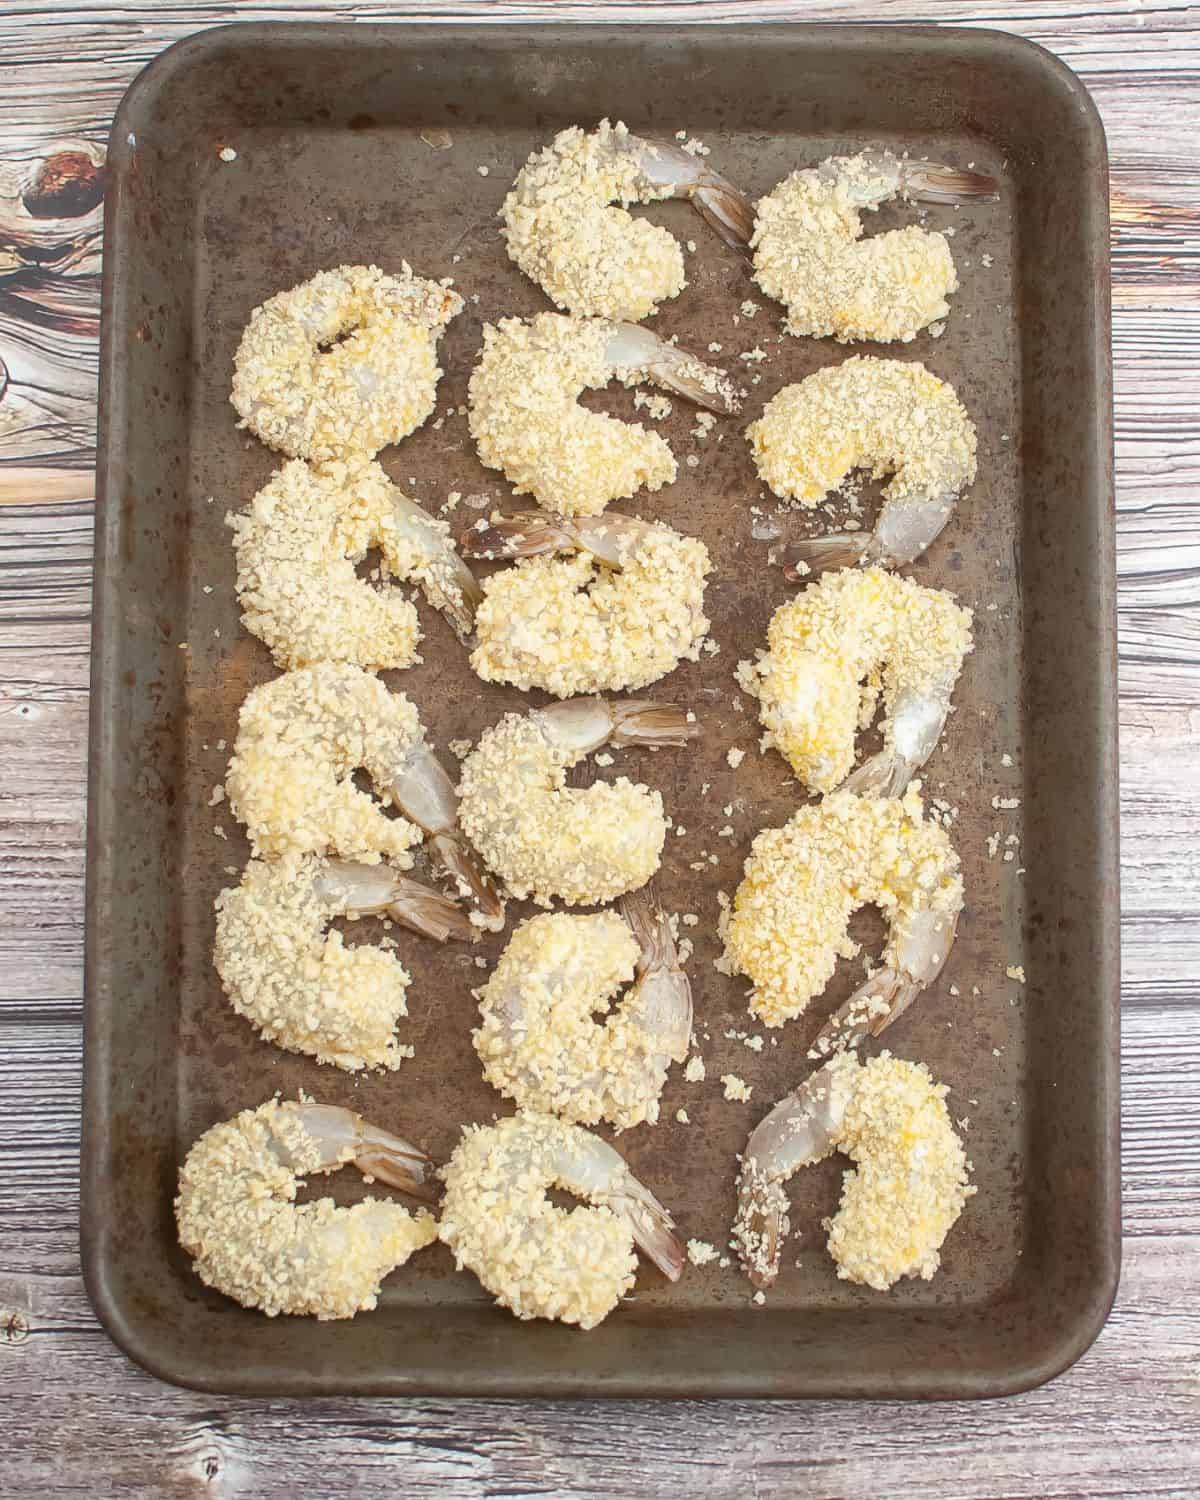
(78, 1418)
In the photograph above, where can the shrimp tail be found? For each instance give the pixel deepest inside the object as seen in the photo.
(761, 1225)
(642, 721)
(524, 534)
(456, 592)
(469, 874)
(650, 925)
(725, 209)
(883, 775)
(392, 1160)
(652, 1228)
(823, 554)
(341, 1135)
(429, 913)
(932, 182)
(635, 353)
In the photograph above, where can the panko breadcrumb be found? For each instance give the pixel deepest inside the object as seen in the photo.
(538, 1260)
(790, 916)
(588, 256)
(527, 421)
(343, 364)
(840, 645)
(808, 255)
(546, 840)
(238, 1218)
(573, 625)
(298, 982)
(885, 415)
(551, 1037)
(301, 737)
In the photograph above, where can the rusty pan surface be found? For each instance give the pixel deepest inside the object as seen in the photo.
(330, 167)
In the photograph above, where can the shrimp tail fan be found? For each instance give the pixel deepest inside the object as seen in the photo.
(642, 721)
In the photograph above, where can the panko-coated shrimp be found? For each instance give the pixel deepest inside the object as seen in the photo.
(527, 421)
(536, 1259)
(297, 544)
(343, 364)
(622, 612)
(547, 1037)
(789, 922)
(302, 736)
(832, 652)
(548, 841)
(905, 1194)
(298, 983)
(884, 415)
(238, 1217)
(808, 254)
(592, 258)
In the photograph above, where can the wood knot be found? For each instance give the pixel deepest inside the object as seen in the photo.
(67, 185)
(14, 1326)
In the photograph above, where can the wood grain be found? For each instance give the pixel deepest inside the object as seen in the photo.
(79, 1419)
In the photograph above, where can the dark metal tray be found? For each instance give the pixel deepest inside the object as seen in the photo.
(330, 168)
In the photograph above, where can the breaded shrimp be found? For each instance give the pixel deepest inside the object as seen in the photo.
(548, 841)
(622, 612)
(878, 414)
(790, 917)
(302, 736)
(238, 1217)
(536, 1259)
(297, 545)
(526, 419)
(547, 1037)
(908, 1188)
(298, 983)
(808, 254)
(597, 260)
(833, 651)
(344, 364)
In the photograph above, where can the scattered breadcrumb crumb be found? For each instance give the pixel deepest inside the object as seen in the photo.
(227, 153)
(694, 1071)
(735, 1088)
(735, 757)
(682, 1116)
(1017, 972)
(700, 1252)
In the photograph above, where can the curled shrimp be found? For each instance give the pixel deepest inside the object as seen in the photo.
(624, 610)
(833, 651)
(789, 922)
(297, 982)
(883, 415)
(908, 1188)
(297, 545)
(536, 1259)
(592, 258)
(343, 364)
(238, 1218)
(540, 1038)
(548, 841)
(526, 419)
(300, 739)
(808, 254)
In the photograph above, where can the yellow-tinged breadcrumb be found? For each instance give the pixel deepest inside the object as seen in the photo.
(563, 230)
(835, 648)
(572, 625)
(343, 364)
(909, 1184)
(297, 546)
(536, 1259)
(238, 1218)
(808, 255)
(700, 1252)
(546, 840)
(298, 983)
(300, 739)
(549, 1037)
(527, 421)
(736, 1089)
(885, 415)
(790, 915)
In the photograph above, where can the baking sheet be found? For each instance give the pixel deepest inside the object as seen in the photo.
(330, 168)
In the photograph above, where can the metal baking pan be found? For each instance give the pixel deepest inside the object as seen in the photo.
(331, 167)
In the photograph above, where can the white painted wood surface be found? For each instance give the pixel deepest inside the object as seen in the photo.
(78, 1418)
